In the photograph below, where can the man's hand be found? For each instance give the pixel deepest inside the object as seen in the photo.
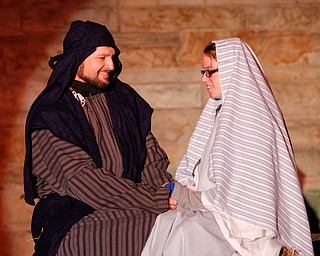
(172, 203)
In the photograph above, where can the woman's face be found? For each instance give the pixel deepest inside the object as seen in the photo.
(213, 81)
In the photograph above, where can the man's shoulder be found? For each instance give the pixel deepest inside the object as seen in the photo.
(125, 88)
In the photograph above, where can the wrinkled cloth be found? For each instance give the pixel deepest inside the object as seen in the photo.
(52, 219)
(186, 232)
(190, 229)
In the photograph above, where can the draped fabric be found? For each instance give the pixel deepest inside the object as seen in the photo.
(251, 161)
(122, 211)
(186, 232)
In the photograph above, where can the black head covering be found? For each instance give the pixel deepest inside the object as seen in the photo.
(81, 41)
(55, 106)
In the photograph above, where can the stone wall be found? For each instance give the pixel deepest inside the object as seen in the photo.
(161, 43)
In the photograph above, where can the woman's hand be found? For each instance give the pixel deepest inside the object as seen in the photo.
(172, 203)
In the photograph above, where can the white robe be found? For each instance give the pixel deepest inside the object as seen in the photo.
(189, 232)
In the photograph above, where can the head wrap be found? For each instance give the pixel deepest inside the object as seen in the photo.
(81, 40)
(251, 160)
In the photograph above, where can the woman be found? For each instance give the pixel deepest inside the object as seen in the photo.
(237, 192)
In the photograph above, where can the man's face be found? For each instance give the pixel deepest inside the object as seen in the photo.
(95, 68)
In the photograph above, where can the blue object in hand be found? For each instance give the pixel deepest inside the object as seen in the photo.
(171, 186)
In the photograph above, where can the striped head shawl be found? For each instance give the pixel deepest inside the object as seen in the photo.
(251, 161)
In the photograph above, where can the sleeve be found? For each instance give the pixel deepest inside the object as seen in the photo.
(184, 174)
(155, 171)
(67, 170)
(186, 197)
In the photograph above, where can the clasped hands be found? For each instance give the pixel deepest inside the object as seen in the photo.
(173, 203)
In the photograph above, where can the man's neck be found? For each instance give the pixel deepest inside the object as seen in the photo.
(85, 89)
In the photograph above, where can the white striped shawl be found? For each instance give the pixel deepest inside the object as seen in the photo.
(251, 161)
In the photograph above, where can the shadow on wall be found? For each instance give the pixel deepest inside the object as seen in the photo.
(23, 45)
(312, 217)
(314, 227)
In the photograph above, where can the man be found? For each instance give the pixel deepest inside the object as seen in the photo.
(91, 157)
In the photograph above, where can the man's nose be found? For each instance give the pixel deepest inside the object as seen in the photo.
(109, 63)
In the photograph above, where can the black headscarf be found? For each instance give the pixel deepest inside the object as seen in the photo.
(55, 110)
(81, 41)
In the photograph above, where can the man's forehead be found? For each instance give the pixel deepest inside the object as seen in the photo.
(105, 50)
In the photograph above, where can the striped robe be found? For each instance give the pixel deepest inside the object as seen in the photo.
(124, 211)
(251, 163)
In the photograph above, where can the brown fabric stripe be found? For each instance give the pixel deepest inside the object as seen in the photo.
(98, 115)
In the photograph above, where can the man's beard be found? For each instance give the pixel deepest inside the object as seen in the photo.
(94, 81)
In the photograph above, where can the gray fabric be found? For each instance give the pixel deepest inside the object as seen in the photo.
(186, 197)
(188, 233)
(202, 170)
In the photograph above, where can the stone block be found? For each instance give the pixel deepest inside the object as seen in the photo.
(282, 47)
(281, 15)
(21, 54)
(150, 56)
(304, 133)
(166, 88)
(147, 38)
(263, 3)
(163, 75)
(173, 129)
(10, 22)
(304, 112)
(308, 162)
(313, 199)
(212, 3)
(170, 19)
(271, 47)
(138, 3)
(171, 96)
(298, 101)
(38, 15)
(192, 45)
(148, 50)
(293, 74)
(101, 14)
(166, 3)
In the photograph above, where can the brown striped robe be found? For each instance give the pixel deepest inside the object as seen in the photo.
(125, 211)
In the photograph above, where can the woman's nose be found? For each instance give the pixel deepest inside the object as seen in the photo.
(204, 79)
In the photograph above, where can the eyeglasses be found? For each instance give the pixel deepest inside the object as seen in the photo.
(208, 72)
